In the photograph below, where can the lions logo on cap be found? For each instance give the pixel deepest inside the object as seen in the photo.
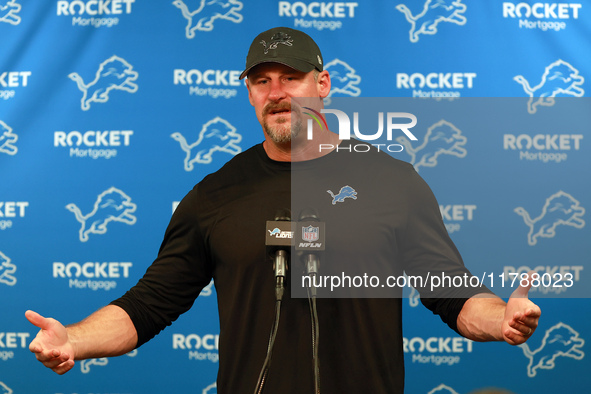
(276, 39)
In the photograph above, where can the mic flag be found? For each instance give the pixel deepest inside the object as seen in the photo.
(309, 239)
(279, 239)
(279, 231)
(309, 234)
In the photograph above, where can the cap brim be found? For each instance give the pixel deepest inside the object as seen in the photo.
(296, 64)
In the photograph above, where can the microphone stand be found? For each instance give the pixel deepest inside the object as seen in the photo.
(312, 264)
(280, 267)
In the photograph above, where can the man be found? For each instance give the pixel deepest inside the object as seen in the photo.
(361, 345)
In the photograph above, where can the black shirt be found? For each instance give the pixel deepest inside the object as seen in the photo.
(391, 224)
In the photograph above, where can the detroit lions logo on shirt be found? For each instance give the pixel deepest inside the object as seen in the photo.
(345, 192)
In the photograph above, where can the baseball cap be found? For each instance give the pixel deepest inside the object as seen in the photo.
(284, 45)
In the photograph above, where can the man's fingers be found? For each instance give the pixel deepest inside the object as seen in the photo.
(529, 317)
(63, 367)
(53, 363)
(524, 286)
(533, 324)
(522, 315)
(38, 320)
(530, 320)
(523, 324)
(52, 355)
(50, 343)
(534, 312)
(521, 328)
(513, 338)
(34, 348)
(58, 362)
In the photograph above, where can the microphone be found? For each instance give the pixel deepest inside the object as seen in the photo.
(279, 239)
(309, 241)
(278, 242)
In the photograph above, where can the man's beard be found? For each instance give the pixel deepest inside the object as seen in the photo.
(284, 130)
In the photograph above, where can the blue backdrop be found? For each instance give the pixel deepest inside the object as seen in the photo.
(104, 100)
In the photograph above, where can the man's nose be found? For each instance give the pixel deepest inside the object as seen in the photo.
(277, 91)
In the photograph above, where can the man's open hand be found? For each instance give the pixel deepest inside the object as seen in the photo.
(51, 346)
(521, 315)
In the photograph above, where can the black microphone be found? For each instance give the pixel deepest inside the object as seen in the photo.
(309, 241)
(279, 239)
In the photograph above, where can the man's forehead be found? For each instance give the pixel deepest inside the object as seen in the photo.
(269, 67)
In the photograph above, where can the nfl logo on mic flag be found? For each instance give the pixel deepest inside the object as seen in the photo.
(309, 236)
(310, 233)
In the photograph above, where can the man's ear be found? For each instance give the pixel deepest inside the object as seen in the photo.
(323, 84)
(248, 87)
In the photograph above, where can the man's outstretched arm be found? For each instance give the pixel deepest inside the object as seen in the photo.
(107, 332)
(488, 318)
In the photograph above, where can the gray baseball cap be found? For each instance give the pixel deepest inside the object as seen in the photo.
(284, 45)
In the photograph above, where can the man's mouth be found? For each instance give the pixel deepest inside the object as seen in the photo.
(278, 109)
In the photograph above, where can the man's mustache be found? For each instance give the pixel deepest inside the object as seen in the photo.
(279, 107)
